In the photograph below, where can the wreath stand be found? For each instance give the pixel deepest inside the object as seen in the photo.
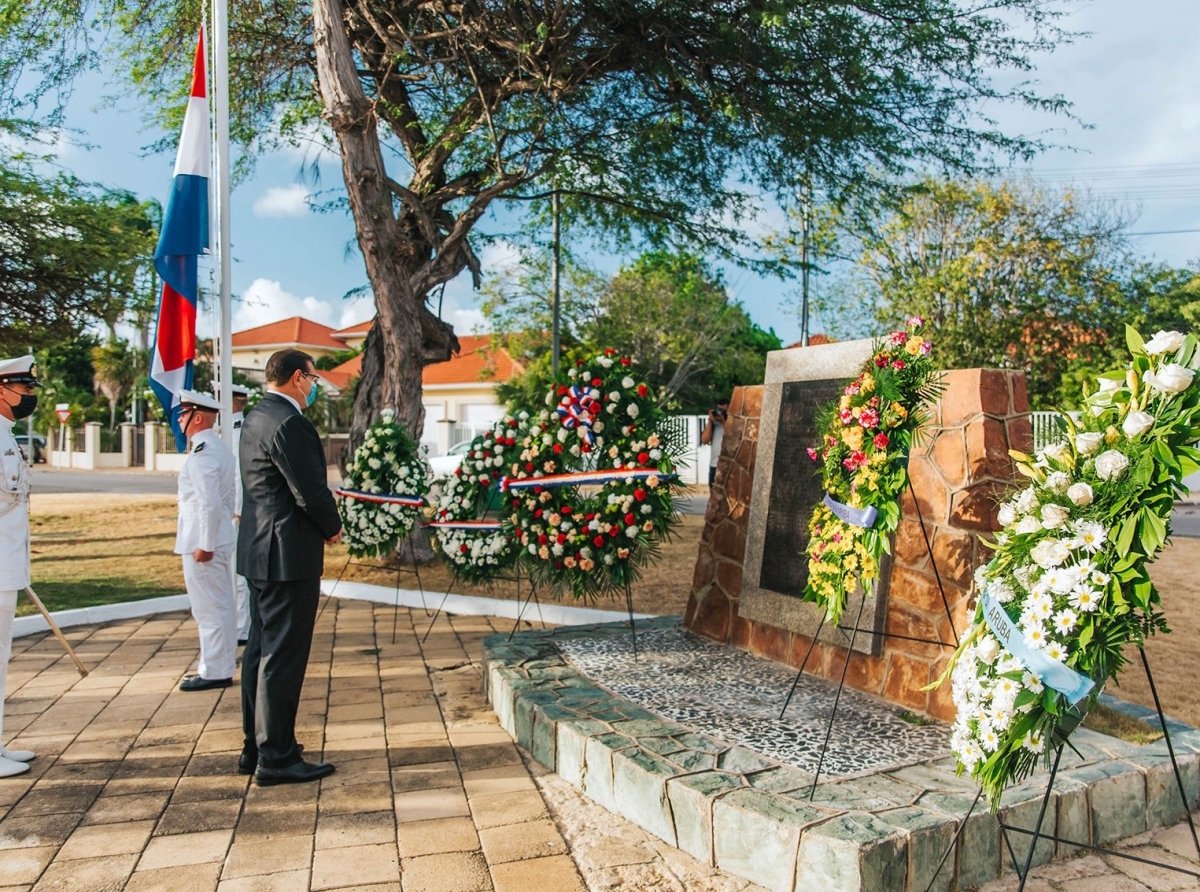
(521, 604)
(401, 570)
(1023, 871)
(854, 631)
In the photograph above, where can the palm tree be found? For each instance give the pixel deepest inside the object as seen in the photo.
(114, 373)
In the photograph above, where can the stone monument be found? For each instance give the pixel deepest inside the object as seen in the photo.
(750, 569)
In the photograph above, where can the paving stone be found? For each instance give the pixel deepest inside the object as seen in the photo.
(1154, 877)
(691, 799)
(640, 791)
(498, 809)
(98, 840)
(425, 805)
(56, 800)
(978, 856)
(25, 865)
(428, 776)
(279, 820)
(252, 858)
(1164, 806)
(505, 779)
(520, 842)
(292, 881)
(756, 835)
(556, 872)
(38, 830)
(853, 851)
(597, 767)
(930, 838)
(187, 848)
(451, 872)
(359, 828)
(105, 874)
(1020, 808)
(570, 744)
(197, 817)
(546, 719)
(437, 836)
(192, 877)
(1118, 800)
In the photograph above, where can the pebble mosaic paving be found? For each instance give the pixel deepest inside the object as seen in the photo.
(736, 696)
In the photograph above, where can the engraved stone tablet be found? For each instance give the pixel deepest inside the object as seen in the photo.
(787, 488)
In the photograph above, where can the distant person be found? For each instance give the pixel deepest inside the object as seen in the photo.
(18, 399)
(288, 514)
(205, 539)
(241, 395)
(714, 433)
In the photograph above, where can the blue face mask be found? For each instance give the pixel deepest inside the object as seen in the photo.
(312, 395)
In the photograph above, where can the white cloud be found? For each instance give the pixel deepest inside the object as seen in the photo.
(360, 309)
(267, 301)
(283, 201)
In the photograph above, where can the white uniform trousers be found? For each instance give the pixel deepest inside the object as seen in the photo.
(210, 592)
(8, 610)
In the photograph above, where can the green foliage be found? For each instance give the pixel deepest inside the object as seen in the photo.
(71, 253)
(333, 360)
(669, 312)
(115, 366)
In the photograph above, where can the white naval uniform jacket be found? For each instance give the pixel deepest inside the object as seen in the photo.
(206, 497)
(14, 512)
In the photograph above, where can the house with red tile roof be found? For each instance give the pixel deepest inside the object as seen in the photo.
(252, 347)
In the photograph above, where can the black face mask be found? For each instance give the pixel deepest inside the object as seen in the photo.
(25, 407)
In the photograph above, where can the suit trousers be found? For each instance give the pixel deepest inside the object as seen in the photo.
(273, 665)
(8, 611)
(210, 594)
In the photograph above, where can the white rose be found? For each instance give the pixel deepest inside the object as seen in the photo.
(632, 410)
(1088, 443)
(1027, 500)
(987, 649)
(1029, 524)
(1054, 516)
(1080, 494)
(1172, 378)
(1110, 385)
(1111, 465)
(605, 361)
(1164, 342)
(1056, 451)
(627, 382)
(1007, 515)
(1137, 423)
(1058, 482)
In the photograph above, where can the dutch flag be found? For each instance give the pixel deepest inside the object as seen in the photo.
(183, 239)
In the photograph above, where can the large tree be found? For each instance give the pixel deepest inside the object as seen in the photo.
(653, 118)
(1008, 275)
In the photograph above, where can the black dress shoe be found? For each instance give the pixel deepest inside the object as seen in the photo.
(296, 773)
(248, 760)
(196, 683)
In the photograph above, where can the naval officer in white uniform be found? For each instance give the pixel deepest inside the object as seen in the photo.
(18, 399)
(241, 395)
(205, 539)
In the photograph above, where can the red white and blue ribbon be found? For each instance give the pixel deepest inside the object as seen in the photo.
(183, 238)
(583, 478)
(379, 498)
(579, 409)
(482, 526)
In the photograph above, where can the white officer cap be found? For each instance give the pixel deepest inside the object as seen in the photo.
(190, 399)
(22, 370)
(235, 389)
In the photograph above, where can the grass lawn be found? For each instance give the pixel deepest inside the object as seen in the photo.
(99, 549)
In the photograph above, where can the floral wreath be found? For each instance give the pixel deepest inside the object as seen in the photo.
(384, 489)
(1067, 589)
(477, 548)
(864, 465)
(603, 430)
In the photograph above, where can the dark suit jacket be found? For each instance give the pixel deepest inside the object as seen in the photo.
(287, 509)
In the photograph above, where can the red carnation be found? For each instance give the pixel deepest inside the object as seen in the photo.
(812, 453)
(614, 531)
(558, 448)
(881, 360)
(629, 519)
(542, 540)
(881, 440)
(609, 351)
(643, 457)
(856, 460)
(642, 390)
(598, 541)
(538, 512)
(596, 382)
(639, 494)
(529, 466)
(516, 503)
(562, 390)
(561, 538)
(463, 549)
(898, 364)
(565, 509)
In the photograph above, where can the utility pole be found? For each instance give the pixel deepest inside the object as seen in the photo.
(555, 277)
(805, 197)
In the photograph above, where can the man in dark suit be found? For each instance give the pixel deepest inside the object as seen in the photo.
(288, 514)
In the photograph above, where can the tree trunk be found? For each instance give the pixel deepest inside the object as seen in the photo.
(406, 336)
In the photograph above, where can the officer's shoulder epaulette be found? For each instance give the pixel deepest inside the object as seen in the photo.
(199, 447)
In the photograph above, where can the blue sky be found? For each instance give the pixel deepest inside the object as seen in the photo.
(1136, 81)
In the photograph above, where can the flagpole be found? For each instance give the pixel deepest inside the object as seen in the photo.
(220, 19)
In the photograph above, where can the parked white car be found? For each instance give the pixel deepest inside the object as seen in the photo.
(442, 466)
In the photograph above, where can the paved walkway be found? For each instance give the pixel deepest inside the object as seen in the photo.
(135, 787)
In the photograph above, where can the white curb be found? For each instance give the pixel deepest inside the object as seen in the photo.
(463, 605)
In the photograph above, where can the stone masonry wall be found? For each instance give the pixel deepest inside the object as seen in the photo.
(957, 476)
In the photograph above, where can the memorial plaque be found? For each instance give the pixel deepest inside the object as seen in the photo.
(787, 487)
(795, 484)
